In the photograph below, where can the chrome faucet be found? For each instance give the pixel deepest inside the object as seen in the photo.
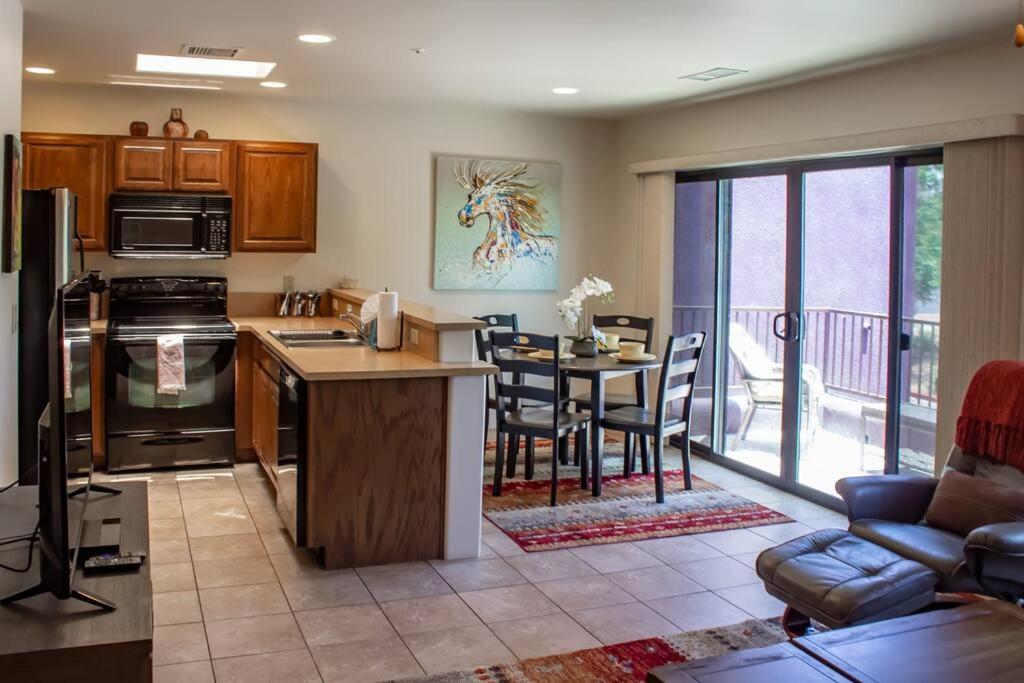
(357, 323)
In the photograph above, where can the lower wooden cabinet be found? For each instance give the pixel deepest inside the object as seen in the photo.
(265, 400)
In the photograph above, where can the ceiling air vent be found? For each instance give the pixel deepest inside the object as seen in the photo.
(713, 74)
(192, 50)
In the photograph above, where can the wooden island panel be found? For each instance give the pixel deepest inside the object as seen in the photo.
(377, 470)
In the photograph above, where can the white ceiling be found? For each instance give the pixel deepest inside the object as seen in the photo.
(623, 55)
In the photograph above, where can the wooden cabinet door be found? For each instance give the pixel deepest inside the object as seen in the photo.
(275, 196)
(81, 163)
(141, 164)
(202, 165)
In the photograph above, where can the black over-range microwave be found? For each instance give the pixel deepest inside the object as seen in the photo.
(159, 226)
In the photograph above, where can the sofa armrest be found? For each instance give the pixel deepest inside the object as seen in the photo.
(1006, 538)
(894, 497)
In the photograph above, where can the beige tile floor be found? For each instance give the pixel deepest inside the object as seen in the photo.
(234, 601)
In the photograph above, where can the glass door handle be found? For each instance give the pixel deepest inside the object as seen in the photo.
(790, 330)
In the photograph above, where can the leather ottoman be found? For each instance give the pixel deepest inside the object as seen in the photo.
(840, 580)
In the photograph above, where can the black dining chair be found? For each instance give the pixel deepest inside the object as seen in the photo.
(509, 321)
(671, 413)
(548, 416)
(637, 329)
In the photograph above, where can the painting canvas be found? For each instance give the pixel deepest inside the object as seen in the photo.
(496, 224)
(11, 214)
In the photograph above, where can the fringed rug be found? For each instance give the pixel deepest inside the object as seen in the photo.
(626, 661)
(625, 511)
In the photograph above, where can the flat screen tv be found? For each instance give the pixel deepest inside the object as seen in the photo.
(63, 428)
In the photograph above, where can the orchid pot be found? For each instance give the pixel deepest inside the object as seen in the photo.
(576, 312)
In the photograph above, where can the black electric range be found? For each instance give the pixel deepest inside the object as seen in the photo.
(195, 426)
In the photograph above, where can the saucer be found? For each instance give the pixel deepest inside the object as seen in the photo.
(550, 355)
(640, 358)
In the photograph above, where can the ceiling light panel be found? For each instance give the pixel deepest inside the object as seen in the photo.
(565, 91)
(166, 85)
(712, 74)
(43, 70)
(274, 84)
(201, 66)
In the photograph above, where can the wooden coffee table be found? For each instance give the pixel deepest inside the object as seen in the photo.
(980, 642)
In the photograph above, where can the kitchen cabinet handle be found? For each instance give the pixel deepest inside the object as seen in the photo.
(146, 147)
(201, 149)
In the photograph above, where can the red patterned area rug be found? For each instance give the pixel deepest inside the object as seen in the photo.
(626, 661)
(625, 511)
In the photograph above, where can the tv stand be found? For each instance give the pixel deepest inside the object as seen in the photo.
(76, 594)
(94, 487)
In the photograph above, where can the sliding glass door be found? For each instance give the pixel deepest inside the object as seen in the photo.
(819, 283)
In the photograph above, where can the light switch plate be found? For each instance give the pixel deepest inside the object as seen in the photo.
(414, 336)
(334, 305)
(289, 283)
(348, 308)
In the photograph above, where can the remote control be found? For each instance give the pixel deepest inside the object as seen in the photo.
(114, 563)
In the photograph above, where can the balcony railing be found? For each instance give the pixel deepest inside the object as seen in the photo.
(848, 347)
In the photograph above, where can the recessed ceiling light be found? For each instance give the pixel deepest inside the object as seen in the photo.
(565, 91)
(202, 66)
(45, 70)
(274, 84)
(419, 50)
(166, 85)
(712, 74)
(318, 38)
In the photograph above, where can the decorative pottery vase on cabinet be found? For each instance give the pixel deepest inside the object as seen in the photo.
(175, 127)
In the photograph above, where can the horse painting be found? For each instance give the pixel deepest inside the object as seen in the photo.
(503, 193)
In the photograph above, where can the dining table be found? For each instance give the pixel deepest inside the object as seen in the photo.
(596, 369)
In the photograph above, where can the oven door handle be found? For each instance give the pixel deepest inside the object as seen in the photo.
(151, 339)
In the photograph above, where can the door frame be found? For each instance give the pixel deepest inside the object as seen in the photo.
(795, 172)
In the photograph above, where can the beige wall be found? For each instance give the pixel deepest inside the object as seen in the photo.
(10, 115)
(977, 80)
(375, 217)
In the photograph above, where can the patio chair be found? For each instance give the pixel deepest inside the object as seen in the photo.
(762, 380)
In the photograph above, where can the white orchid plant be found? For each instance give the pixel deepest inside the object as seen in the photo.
(576, 309)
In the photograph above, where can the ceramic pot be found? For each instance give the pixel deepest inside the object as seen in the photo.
(138, 129)
(175, 127)
(584, 348)
(201, 135)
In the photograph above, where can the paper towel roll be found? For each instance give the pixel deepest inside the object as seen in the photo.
(387, 320)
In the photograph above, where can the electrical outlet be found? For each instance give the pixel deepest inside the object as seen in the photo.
(334, 305)
(414, 336)
(348, 308)
(289, 283)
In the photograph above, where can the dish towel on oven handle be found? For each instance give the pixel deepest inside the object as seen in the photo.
(170, 363)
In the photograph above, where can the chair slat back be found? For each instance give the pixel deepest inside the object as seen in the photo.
(678, 374)
(509, 320)
(483, 341)
(644, 327)
(514, 370)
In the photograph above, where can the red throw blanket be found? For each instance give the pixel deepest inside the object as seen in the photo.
(991, 423)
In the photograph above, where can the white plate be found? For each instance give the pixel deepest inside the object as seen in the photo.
(550, 355)
(642, 358)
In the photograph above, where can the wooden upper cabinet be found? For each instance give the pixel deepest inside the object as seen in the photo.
(275, 196)
(81, 163)
(202, 165)
(142, 164)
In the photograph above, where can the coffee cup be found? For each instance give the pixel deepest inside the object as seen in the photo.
(631, 349)
(611, 341)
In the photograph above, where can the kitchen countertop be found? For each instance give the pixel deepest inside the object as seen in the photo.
(325, 364)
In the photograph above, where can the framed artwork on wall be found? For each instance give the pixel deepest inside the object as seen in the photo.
(10, 216)
(496, 224)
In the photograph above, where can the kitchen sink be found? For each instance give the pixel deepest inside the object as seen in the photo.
(317, 338)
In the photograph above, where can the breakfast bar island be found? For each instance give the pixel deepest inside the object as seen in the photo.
(376, 456)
